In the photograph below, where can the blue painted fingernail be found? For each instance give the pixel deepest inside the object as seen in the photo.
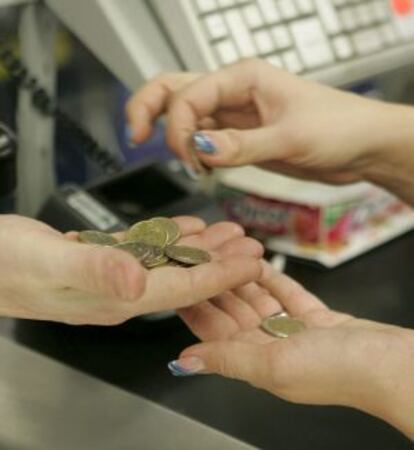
(203, 143)
(190, 172)
(186, 367)
(129, 136)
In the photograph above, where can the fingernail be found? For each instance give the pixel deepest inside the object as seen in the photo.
(186, 367)
(204, 143)
(190, 172)
(129, 136)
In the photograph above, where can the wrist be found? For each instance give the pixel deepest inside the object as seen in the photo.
(399, 401)
(391, 150)
(390, 395)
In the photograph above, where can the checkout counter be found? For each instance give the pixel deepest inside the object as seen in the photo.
(66, 387)
(66, 409)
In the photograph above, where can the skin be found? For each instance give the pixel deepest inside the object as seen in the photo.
(373, 371)
(50, 276)
(257, 114)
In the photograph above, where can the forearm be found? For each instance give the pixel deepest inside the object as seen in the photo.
(392, 142)
(392, 397)
(401, 394)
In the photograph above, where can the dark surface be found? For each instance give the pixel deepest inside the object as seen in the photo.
(377, 286)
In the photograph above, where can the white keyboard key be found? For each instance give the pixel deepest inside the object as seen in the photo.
(287, 9)
(312, 43)
(264, 42)
(253, 17)
(227, 52)
(240, 32)
(269, 10)
(342, 47)
(216, 26)
(292, 62)
(328, 16)
(305, 6)
(381, 10)
(275, 60)
(349, 19)
(365, 14)
(226, 3)
(339, 2)
(281, 36)
(367, 41)
(388, 34)
(205, 6)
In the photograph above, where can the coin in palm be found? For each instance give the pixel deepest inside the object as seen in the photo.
(282, 326)
(191, 256)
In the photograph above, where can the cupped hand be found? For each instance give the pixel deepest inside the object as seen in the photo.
(50, 276)
(254, 113)
(337, 359)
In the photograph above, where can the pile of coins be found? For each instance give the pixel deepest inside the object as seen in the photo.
(152, 242)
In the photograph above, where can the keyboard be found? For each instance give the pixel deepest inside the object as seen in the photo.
(337, 41)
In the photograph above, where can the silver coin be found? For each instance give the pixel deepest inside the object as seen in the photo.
(187, 255)
(282, 326)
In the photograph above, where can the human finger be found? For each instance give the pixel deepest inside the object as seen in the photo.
(208, 322)
(149, 102)
(245, 316)
(101, 270)
(172, 288)
(230, 358)
(227, 88)
(214, 235)
(259, 299)
(293, 297)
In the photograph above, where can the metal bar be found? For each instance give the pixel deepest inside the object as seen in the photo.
(35, 160)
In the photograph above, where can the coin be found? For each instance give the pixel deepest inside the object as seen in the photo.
(282, 326)
(149, 232)
(170, 227)
(96, 237)
(187, 255)
(138, 249)
(151, 263)
(155, 257)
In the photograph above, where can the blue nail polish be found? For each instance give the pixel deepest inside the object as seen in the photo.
(190, 172)
(129, 135)
(203, 143)
(179, 371)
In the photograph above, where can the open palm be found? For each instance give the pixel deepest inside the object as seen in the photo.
(331, 362)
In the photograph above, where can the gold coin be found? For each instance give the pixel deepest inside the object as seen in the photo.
(155, 257)
(282, 326)
(138, 249)
(187, 255)
(148, 232)
(96, 237)
(151, 263)
(170, 227)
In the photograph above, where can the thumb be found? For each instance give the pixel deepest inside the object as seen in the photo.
(231, 359)
(105, 271)
(230, 147)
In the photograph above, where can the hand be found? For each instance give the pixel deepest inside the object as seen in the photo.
(47, 275)
(252, 112)
(337, 360)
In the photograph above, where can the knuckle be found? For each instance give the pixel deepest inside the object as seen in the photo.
(235, 154)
